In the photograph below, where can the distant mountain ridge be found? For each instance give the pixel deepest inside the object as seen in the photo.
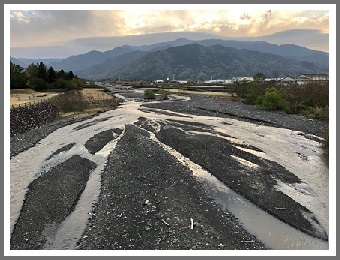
(100, 65)
(197, 62)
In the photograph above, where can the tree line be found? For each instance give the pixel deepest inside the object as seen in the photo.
(39, 77)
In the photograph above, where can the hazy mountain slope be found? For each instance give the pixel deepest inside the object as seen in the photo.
(103, 70)
(197, 62)
(18, 62)
(286, 50)
(86, 60)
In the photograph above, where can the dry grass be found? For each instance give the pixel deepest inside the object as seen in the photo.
(26, 96)
(27, 91)
(208, 93)
(95, 94)
(91, 94)
(87, 112)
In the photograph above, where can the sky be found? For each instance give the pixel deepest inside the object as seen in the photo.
(58, 33)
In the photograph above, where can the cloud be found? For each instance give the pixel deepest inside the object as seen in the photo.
(54, 27)
(49, 27)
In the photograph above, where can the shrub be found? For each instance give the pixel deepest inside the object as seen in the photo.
(76, 83)
(242, 89)
(273, 99)
(149, 94)
(60, 84)
(320, 113)
(37, 84)
(310, 95)
(256, 90)
(164, 93)
(71, 101)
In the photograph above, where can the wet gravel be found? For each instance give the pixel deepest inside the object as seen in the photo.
(65, 148)
(214, 106)
(147, 201)
(98, 141)
(49, 200)
(257, 184)
(22, 142)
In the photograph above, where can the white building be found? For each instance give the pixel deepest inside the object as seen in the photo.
(287, 81)
(183, 81)
(313, 77)
(242, 79)
(214, 81)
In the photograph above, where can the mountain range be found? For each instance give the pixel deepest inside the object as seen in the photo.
(197, 62)
(191, 59)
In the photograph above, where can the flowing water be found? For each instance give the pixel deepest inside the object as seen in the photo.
(277, 144)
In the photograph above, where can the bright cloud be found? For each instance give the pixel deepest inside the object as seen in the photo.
(246, 22)
(50, 27)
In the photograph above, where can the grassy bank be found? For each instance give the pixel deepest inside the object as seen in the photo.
(73, 103)
(84, 102)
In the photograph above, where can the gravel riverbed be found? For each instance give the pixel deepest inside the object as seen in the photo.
(149, 200)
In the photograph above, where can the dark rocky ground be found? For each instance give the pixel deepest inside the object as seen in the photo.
(147, 197)
(147, 204)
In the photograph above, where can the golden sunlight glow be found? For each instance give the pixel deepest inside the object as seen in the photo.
(246, 21)
(137, 20)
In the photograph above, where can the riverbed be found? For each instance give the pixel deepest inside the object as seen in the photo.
(235, 161)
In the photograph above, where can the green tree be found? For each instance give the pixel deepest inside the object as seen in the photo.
(51, 75)
(37, 84)
(42, 71)
(69, 75)
(61, 74)
(59, 84)
(259, 77)
(32, 71)
(18, 78)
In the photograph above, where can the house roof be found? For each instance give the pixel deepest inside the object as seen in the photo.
(288, 79)
(314, 75)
